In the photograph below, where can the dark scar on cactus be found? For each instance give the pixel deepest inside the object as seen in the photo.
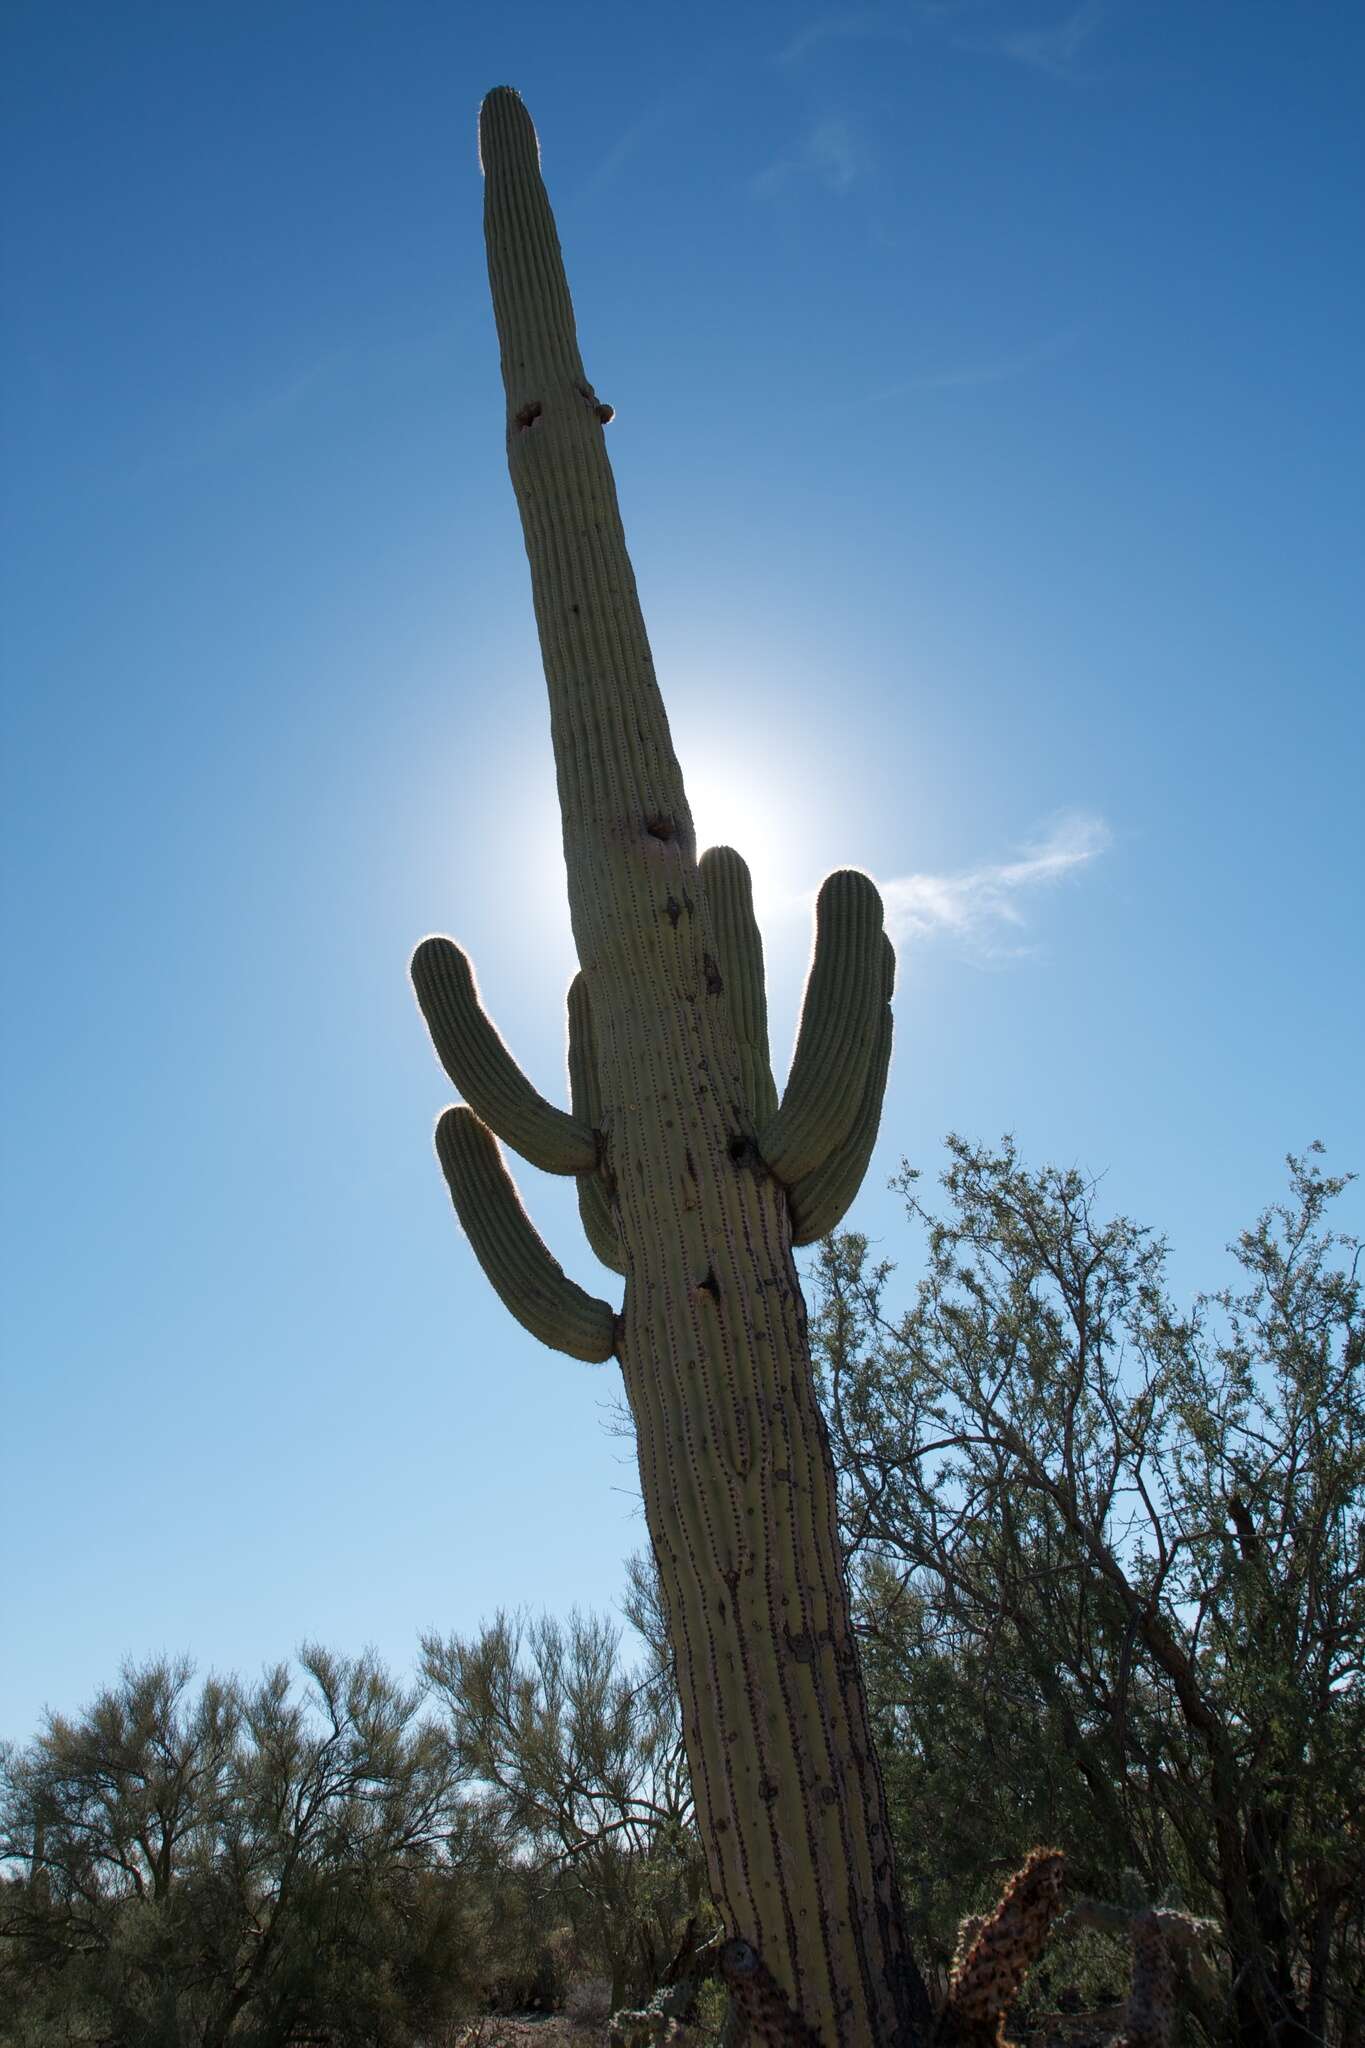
(528, 416)
(710, 1285)
(714, 984)
(660, 826)
(673, 910)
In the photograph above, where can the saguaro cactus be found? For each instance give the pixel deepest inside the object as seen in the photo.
(695, 1181)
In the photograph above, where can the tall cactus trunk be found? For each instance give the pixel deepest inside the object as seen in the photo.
(694, 1183)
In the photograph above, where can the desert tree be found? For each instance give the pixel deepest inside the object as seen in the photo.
(1111, 1560)
(577, 1766)
(238, 1860)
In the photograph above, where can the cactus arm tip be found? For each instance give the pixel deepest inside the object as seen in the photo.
(840, 1017)
(739, 947)
(504, 120)
(474, 1056)
(820, 1200)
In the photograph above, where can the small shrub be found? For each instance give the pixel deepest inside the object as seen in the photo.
(587, 2002)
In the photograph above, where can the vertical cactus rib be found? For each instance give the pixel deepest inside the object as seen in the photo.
(514, 1258)
(820, 1200)
(594, 1203)
(477, 1061)
(839, 1018)
(739, 955)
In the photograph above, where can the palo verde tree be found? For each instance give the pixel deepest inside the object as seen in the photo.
(1112, 1560)
(695, 1182)
(236, 1862)
(576, 1767)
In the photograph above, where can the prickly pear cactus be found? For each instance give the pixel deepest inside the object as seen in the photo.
(694, 1183)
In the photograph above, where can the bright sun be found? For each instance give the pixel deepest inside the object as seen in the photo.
(729, 810)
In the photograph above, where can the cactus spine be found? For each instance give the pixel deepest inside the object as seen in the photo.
(688, 1174)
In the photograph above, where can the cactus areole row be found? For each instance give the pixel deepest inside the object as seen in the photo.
(694, 1183)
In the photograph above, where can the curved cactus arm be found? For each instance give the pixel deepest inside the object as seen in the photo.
(514, 1258)
(739, 950)
(839, 1020)
(594, 1201)
(469, 1048)
(819, 1201)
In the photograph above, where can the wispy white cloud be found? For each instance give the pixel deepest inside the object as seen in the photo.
(896, 24)
(1057, 50)
(223, 428)
(983, 370)
(608, 167)
(986, 909)
(833, 154)
(870, 24)
(670, 106)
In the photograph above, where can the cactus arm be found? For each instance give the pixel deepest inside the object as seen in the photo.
(739, 955)
(839, 1020)
(477, 1061)
(820, 1199)
(594, 1200)
(514, 1258)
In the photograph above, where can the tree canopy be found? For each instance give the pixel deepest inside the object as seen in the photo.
(1107, 1558)
(1110, 1563)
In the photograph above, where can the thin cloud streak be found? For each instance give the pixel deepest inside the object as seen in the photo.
(220, 433)
(833, 154)
(640, 131)
(979, 906)
(987, 370)
(874, 24)
(871, 25)
(1056, 51)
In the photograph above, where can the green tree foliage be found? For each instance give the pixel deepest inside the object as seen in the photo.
(1107, 1567)
(238, 1863)
(1110, 1569)
(579, 1775)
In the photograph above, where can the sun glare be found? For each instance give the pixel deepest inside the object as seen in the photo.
(730, 807)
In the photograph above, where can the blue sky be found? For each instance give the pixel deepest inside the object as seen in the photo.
(989, 439)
